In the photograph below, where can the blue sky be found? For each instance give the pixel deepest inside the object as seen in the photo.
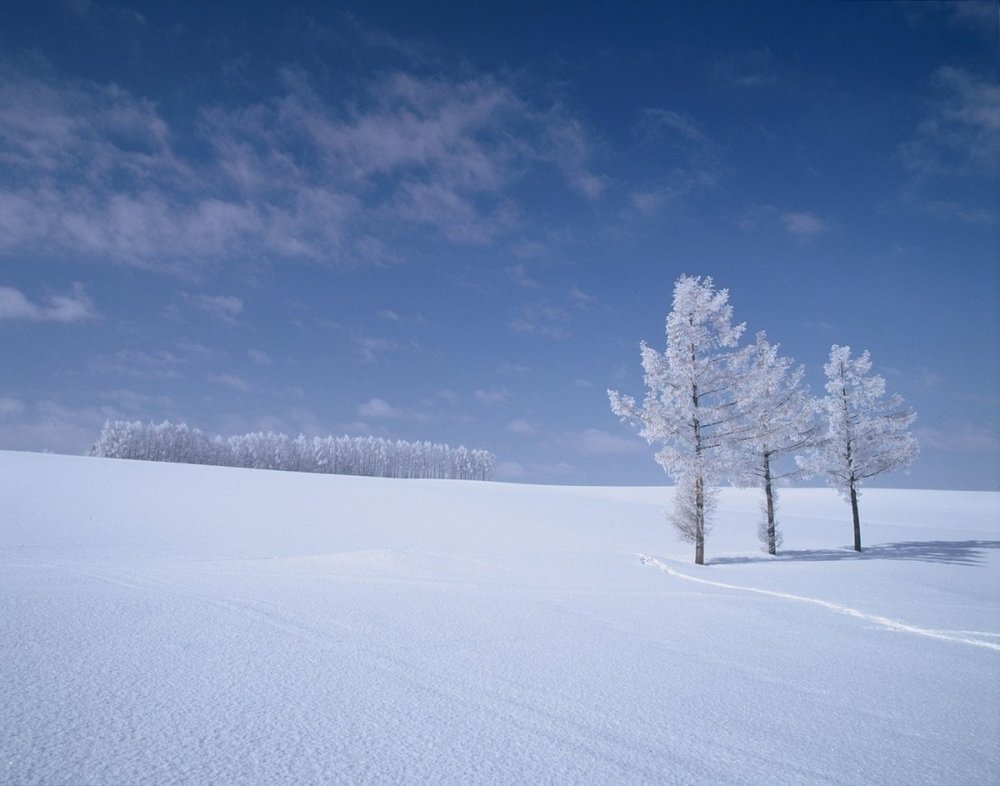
(456, 222)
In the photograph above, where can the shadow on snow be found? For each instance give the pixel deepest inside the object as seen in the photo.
(952, 552)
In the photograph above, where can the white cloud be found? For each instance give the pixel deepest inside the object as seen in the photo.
(157, 364)
(155, 407)
(372, 347)
(74, 307)
(94, 170)
(656, 121)
(978, 14)
(960, 438)
(522, 427)
(510, 470)
(748, 68)
(804, 224)
(230, 381)
(550, 319)
(10, 406)
(581, 299)
(541, 318)
(491, 397)
(389, 315)
(378, 408)
(224, 307)
(960, 133)
(48, 425)
(519, 275)
(649, 202)
(513, 369)
(259, 357)
(566, 143)
(824, 327)
(597, 442)
(690, 162)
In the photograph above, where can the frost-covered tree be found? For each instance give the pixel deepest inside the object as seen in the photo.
(779, 419)
(337, 455)
(690, 408)
(866, 434)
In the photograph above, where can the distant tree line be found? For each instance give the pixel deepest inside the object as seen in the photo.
(725, 412)
(369, 456)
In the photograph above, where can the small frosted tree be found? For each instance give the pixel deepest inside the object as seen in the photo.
(779, 419)
(866, 434)
(690, 404)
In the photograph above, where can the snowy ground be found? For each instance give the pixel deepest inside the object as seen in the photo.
(175, 624)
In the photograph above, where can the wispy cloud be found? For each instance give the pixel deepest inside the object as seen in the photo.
(581, 300)
(10, 406)
(654, 121)
(224, 307)
(953, 210)
(380, 409)
(960, 133)
(491, 397)
(804, 224)
(542, 318)
(748, 68)
(101, 13)
(961, 438)
(73, 307)
(650, 202)
(151, 407)
(519, 275)
(522, 427)
(97, 171)
(48, 425)
(979, 15)
(230, 381)
(597, 442)
(551, 317)
(686, 159)
(372, 348)
(159, 364)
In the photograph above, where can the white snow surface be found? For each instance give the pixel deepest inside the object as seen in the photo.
(166, 623)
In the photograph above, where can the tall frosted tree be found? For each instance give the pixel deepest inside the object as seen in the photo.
(779, 418)
(690, 405)
(866, 433)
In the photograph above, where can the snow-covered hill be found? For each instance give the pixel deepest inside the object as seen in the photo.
(174, 624)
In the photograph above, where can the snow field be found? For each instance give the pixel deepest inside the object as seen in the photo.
(176, 624)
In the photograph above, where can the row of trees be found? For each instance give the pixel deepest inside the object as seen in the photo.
(371, 456)
(722, 412)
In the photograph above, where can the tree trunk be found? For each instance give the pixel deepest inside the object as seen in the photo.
(857, 518)
(772, 546)
(699, 521)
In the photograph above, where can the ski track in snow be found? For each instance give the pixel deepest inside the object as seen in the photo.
(885, 622)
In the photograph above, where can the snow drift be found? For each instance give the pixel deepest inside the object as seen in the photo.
(165, 623)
